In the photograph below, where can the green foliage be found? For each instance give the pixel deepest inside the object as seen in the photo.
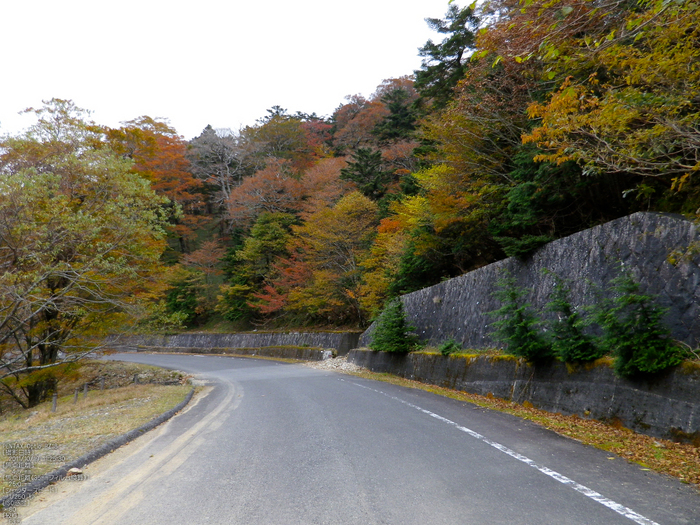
(232, 304)
(250, 261)
(366, 169)
(81, 235)
(409, 185)
(633, 330)
(522, 246)
(401, 120)
(267, 241)
(229, 261)
(449, 347)
(162, 320)
(415, 272)
(335, 241)
(547, 201)
(517, 325)
(185, 298)
(445, 63)
(631, 324)
(569, 342)
(391, 333)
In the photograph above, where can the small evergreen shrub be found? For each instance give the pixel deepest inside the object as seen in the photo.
(392, 332)
(569, 343)
(449, 347)
(517, 325)
(633, 330)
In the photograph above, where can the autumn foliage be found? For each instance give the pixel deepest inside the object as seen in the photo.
(527, 121)
(550, 118)
(81, 235)
(271, 190)
(158, 154)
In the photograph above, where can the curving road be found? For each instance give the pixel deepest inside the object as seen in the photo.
(274, 443)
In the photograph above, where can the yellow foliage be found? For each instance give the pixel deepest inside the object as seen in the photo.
(80, 239)
(639, 113)
(334, 242)
(382, 264)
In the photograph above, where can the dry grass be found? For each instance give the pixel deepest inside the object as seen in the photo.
(679, 460)
(76, 428)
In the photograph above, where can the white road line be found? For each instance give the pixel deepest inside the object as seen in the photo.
(595, 496)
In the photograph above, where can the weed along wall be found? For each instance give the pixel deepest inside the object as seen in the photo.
(644, 243)
(667, 406)
(298, 345)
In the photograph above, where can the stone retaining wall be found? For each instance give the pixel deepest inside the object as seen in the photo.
(341, 342)
(667, 406)
(643, 243)
(286, 352)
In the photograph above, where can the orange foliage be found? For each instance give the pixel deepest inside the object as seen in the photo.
(548, 30)
(356, 120)
(289, 274)
(318, 133)
(168, 168)
(399, 157)
(284, 137)
(334, 242)
(271, 189)
(323, 186)
(320, 281)
(159, 155)
(382, 264)
(207, 258)
(390, 84)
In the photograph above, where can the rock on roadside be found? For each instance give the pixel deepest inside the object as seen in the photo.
(339, 364)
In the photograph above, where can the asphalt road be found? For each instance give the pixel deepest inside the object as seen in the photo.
(276, 443)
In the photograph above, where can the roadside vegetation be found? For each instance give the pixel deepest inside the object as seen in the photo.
(624, 324)
(632, 340)
(78, 427)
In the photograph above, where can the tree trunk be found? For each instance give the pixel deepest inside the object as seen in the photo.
(40, 391)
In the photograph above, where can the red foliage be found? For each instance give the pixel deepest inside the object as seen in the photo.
(207, 258)
(289, 274)
(399, 157)
(356, 120)
(318, 133)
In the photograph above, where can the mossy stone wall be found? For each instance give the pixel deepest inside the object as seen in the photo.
(341, 342)
(647, 244)
(666, 406)
(285, 352)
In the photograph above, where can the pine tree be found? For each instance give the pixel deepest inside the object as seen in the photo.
(446, 63)
(391, 333)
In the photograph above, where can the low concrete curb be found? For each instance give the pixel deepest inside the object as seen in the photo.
(60, 473)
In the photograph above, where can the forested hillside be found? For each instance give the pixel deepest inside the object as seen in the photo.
(528, 121)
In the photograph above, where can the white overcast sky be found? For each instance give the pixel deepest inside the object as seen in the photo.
(218, 62)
